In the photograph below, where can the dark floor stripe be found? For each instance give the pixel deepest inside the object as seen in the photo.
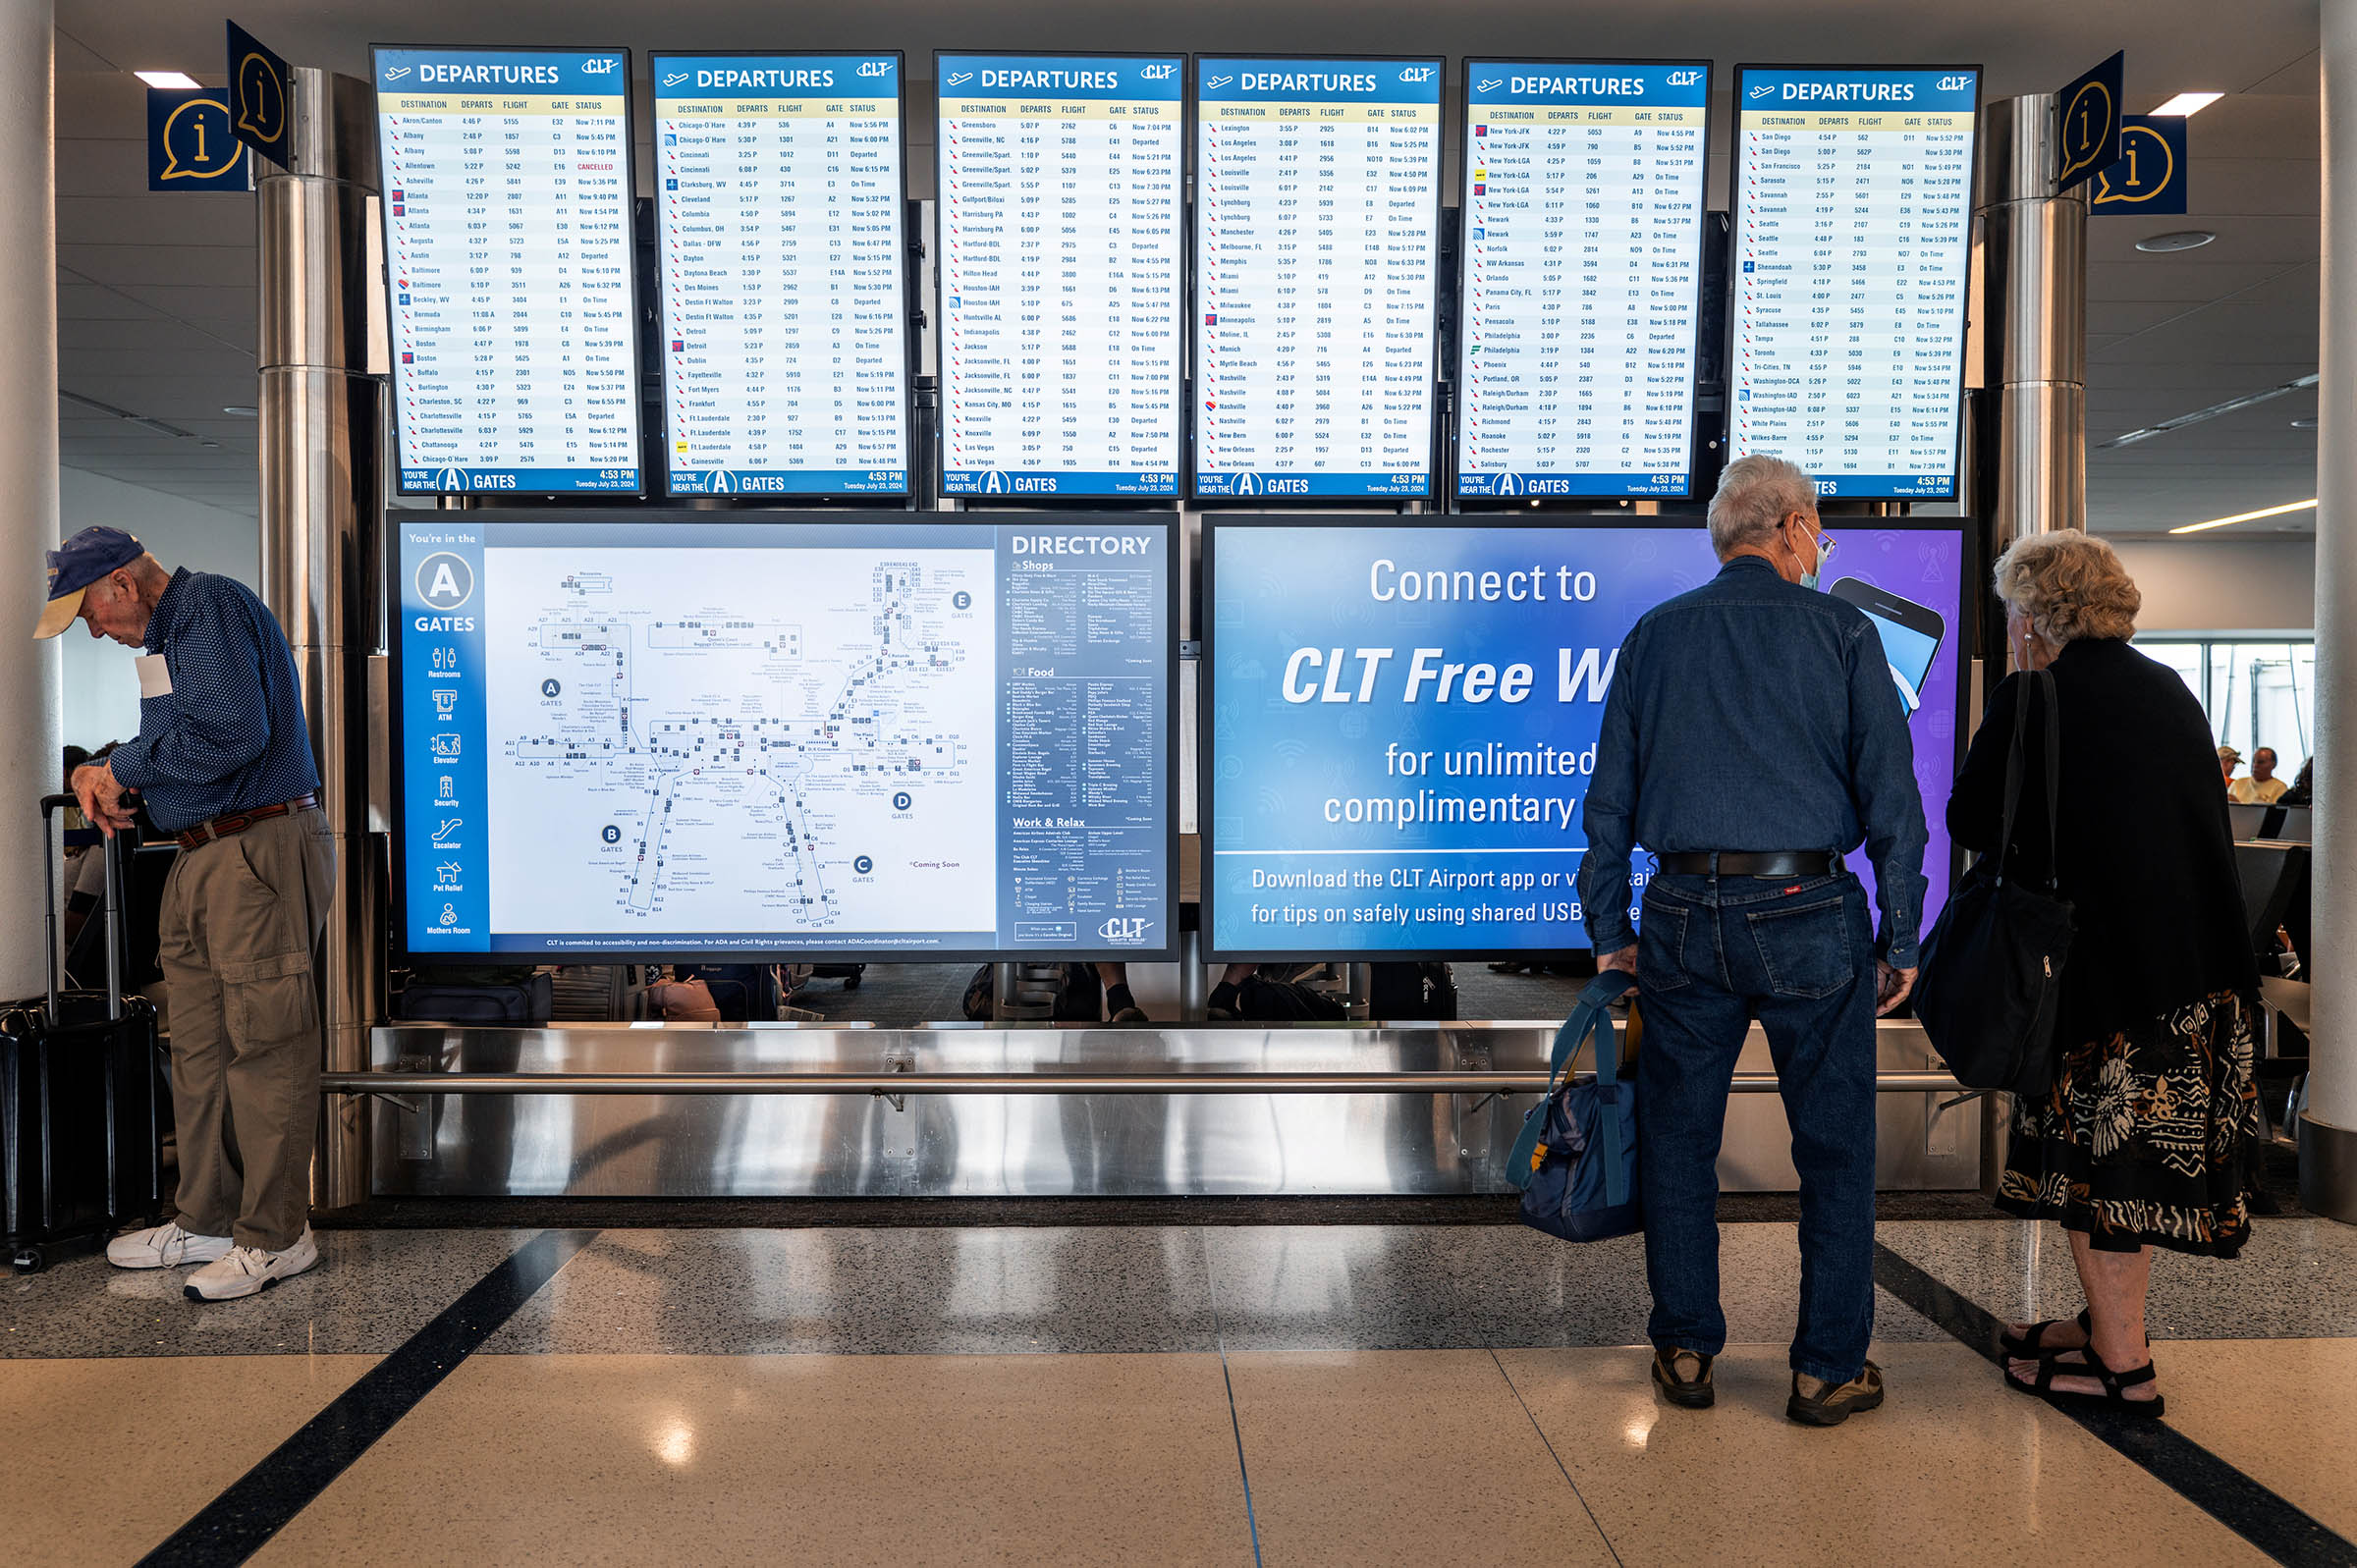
(2259, 1515)
(234, 1526)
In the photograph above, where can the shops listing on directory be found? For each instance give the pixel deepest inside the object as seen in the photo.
(780, 262)
(1582, 265)
(1062, 273)
(512, 300)
(1402, 717)
(1853, 222)
(1317, 208)
(844, 732)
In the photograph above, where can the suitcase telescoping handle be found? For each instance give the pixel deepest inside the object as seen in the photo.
(112, 848)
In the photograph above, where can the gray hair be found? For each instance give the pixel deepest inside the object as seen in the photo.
(1755, 493)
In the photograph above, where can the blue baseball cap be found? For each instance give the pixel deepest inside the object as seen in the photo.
(77, 563)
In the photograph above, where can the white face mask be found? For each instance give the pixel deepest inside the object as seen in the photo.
(1821, 547)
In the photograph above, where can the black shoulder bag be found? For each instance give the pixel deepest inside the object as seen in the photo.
(1993, 964)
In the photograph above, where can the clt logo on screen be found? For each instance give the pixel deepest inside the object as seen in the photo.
(1418, 73)
(1119, 929)
(1158, 72)
(875, 68)
(604, 65)
(1684, 79)
(1955, 83)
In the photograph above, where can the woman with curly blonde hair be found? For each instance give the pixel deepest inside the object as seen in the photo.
(2154, 1116)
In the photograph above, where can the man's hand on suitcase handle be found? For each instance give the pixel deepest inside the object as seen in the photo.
(102, 797)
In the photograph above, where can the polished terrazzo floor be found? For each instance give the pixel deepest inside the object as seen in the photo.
(1125, 1395)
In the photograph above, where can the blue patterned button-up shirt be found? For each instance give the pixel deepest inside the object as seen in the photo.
(229, 736)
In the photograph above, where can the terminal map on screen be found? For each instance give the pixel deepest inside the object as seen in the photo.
(1402, 770)
(859, 735)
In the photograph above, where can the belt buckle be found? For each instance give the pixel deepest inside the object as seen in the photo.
(232, 823)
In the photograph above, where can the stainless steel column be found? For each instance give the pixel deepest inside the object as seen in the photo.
(31, 695)
(2033, 325)
(322, 495)
(2329, 1125)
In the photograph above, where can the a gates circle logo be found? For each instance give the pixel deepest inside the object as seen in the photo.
(445, 581)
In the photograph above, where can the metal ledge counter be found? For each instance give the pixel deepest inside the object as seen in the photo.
(611, 1142)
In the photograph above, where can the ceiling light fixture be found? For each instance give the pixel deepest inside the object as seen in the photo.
(2230, 405)
(166, 78)
(2188, 103)
(241, 410)
(2247, 517)
(2308, 423)
(2161, 245)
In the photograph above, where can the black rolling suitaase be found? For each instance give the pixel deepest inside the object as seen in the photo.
(79, 1131)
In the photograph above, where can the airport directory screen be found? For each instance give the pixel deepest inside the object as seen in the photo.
(1317, 211)
(1582, 206)
(1062, 273)
(1402, 718)
(844, 734)
(1852, 234)
(511, 293)
(779, 261)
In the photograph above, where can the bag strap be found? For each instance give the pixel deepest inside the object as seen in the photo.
(2040, 687)
(1590, 1014)
(2054, 778)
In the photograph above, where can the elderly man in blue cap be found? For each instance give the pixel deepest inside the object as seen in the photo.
(223, 760)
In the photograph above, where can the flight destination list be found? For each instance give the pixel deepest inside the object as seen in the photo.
(1582, 208)
(1853, 196)
(785, 321)
(1317, 204)
(1063, 275)
(507, 214)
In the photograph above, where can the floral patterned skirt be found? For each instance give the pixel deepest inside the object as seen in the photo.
(2146, 1136)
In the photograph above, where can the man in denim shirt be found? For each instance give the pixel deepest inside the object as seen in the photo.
(1752, 737)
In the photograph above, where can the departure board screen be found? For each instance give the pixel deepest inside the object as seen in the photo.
(512, 297)
(1582, 272)
(828, 733)
(779, 201)
(1852, 234)
(1317, 208)
(1062, 273)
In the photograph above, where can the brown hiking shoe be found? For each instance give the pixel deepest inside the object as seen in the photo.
(1684, 1376)
(1818, 1403)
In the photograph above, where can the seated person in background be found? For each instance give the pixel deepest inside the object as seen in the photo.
(1122, 1007)
(2303, 788)
(2262, 788)
(2228, 759)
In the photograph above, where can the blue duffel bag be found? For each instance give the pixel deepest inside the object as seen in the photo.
(1576, 1160)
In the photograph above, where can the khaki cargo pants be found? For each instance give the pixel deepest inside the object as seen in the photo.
(241, 928)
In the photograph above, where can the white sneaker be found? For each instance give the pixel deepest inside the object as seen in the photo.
(164, 1247)
(247, 1271)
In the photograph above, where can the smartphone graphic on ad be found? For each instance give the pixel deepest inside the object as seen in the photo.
(1912, 634)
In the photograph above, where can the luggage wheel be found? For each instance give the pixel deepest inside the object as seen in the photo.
(30, 1259)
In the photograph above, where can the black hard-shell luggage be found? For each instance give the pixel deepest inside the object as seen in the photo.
(78, 1114)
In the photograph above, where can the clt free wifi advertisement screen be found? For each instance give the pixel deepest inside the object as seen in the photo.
(1402, 718)
(842, 734)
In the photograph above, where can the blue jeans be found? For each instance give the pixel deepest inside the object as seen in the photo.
(1797, 953)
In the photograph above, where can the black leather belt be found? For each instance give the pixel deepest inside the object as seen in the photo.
(1750, 863)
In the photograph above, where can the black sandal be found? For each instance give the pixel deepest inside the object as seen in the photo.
(2114, 1384)
(2032, 1345)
